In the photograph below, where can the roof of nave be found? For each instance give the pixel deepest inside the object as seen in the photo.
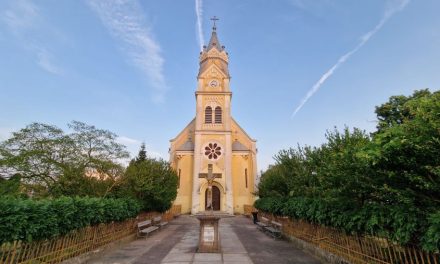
(237, 146)
(187, 146)
(189, 126)
(244, 132)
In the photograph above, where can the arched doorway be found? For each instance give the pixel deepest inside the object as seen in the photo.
(215, 198)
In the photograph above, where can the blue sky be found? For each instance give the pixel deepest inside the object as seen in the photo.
(298, 67)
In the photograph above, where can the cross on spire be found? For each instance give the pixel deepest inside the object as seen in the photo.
(214, 18)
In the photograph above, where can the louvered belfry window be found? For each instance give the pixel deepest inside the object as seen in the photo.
(208, 115)
(218, 115)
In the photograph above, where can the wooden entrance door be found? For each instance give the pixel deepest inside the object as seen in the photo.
(215, 198)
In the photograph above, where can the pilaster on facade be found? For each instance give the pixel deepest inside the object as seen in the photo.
(228, 175)
(196, 187)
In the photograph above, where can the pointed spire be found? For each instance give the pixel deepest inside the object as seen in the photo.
(214, 42)
(214, 28)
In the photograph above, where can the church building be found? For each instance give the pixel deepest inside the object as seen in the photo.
(214, 139)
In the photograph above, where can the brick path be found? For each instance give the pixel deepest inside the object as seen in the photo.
(177, 243)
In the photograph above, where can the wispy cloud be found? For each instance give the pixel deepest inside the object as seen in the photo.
(133, 146)
(128, 141)
(126, 22)
(199, 14)
(23, 18)
(45, 60)
(393, 7)
(308, 5)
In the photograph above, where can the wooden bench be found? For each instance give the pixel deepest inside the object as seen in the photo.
(264, 222)
(274, 229)
(145, 228)
(158, 221)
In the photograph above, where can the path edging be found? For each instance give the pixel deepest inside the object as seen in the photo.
(88, 255)
(321, 254)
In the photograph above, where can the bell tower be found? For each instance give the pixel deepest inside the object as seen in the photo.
(213, 143)
(212, 138)
(213, 95)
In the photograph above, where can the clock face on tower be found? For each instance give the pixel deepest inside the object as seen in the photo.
(213, 83)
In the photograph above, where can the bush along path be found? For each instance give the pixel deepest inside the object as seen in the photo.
(385, 183)
(29, 220)
(79, 241)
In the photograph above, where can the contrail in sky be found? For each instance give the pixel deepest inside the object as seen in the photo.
(199, 13)
(390, 11)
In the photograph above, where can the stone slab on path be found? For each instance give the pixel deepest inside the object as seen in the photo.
(241, 243)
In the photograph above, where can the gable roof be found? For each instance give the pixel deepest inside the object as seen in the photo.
(214, 42)
(187, 146)
(237, 146)
(190, 124)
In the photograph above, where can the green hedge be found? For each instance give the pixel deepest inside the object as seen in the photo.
(28, 220)
(399, 223)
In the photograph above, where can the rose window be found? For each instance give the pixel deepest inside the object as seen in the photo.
(213, 151)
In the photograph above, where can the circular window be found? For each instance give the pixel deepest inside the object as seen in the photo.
(213, 151)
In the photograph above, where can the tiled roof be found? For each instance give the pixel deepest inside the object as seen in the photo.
(237, 146)
(187, 146)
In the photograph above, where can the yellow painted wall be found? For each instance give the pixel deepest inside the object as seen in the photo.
(184, 193)
(242, 194)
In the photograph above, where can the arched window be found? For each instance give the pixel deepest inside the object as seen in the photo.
(246, 177)
(218, 115)
(208, 115)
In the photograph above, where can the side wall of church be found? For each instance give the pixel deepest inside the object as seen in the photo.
(184, 168)
(243, 182)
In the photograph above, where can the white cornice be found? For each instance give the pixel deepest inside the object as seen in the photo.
(213, 132)
(212, 92)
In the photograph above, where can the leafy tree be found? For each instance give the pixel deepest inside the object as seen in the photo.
(152, 182)
(343, 171)
(272, 183)
(407, 155)
(334, 171)
(48, 160)
(11, 186)
(387, 183)
(292, 175)
(96, 149)
(395, 112)
(142, 155)
(39, 153)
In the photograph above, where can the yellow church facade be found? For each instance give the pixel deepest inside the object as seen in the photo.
(213, 138)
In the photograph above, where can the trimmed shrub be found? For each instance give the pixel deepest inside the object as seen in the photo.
(28, 220)
(399, 223)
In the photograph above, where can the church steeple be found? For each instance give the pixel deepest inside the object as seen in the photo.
(214, 42)
(214, 54)
(213, 139)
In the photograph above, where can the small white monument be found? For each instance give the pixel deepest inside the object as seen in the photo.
(209, 240)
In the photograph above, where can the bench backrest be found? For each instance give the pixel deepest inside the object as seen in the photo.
(144, 223)
(157, 219)
(264, 219)
(277, 224)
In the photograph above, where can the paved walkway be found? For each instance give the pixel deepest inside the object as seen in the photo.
(177, 243)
